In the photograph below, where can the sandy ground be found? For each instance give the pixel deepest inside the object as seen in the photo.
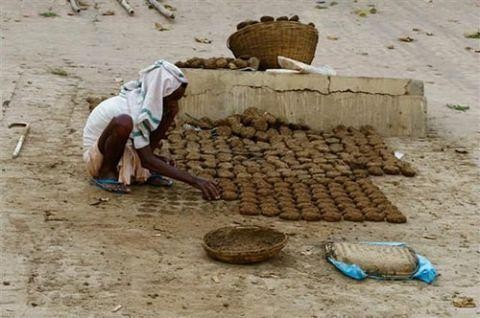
(63, 257)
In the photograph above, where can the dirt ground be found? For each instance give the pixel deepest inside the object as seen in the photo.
(61, 256)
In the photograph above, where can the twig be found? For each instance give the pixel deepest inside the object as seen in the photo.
(75, 6)
(161, 8)
(126, 6)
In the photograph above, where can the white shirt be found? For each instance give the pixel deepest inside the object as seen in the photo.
(101, 116)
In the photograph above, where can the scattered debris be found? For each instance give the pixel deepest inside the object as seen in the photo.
(390, 47)
(58, 71)
(365, 12)
(169, 7)
(203, 40)
(99, 201)
(398, 154)
(108, 12)
(48, 14)
(54, 164)
(416, 30)
(6, 283)
(429, 33)
(473, 35)
(126, 6)
(406, 39)
(361, 13)
(318, 6)
(84, 4)
(215, 279)
(162, 9)
(161, 27)
(21, 140)
(464, 302)
(461, 108)
(74, 5)
(49, 216)
(117, 308)
(461, 150)
(307, 250)
(333, 3)
(332, 37)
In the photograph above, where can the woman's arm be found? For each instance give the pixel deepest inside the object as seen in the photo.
(155, 164)
(170, 111)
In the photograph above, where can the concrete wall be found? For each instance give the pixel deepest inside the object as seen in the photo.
(395, 107)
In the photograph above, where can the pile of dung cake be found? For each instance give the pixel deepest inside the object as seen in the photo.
(241, 63)
(287, 170)
(267, 18)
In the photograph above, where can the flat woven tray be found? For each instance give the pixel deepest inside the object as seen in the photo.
(243, 244)
(386, 261)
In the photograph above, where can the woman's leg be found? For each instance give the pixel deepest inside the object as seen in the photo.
(112, 144)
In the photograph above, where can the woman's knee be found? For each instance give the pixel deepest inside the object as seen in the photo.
(123, 125)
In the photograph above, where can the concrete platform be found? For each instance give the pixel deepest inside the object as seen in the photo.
(395, 107)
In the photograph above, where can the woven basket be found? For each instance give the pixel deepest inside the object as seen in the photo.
(237, 239)
(268, 40)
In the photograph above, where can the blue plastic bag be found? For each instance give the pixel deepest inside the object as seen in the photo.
(424, 272)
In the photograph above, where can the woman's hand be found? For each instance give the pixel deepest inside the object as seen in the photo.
(155, 164)
(209, 189)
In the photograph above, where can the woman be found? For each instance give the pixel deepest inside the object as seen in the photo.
(122, 132)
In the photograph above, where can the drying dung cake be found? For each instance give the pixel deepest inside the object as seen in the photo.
(276, 169)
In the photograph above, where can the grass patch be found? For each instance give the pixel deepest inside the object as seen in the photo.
(48, 14)
(58, 71)
(473, 35)
(361, 13)
(458, 107)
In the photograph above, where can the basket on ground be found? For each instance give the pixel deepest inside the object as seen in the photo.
(243, 244)
(268, 40)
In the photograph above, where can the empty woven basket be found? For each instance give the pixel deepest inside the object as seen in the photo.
(268, 40)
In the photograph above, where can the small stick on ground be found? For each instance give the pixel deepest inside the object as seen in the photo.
(74, 5)
(126, 6)
(161, 8)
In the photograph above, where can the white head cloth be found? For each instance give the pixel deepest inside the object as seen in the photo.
(145, 98)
